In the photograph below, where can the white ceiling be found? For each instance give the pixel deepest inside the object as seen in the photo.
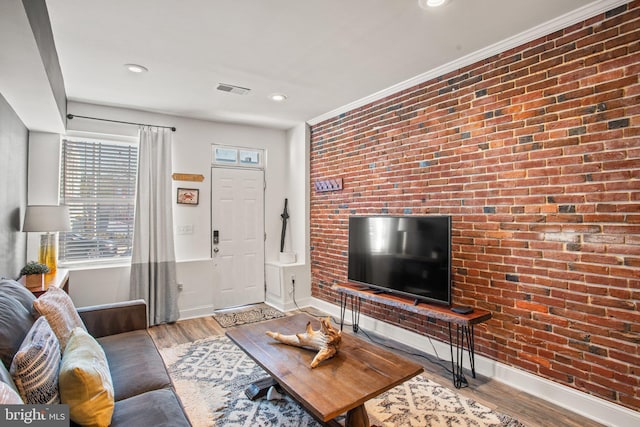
(322, 54)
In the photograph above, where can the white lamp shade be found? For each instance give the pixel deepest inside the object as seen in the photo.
(46, 218)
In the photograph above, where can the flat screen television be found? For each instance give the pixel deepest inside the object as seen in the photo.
(404, 255)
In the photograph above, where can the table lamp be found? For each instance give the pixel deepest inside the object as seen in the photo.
(48, 219)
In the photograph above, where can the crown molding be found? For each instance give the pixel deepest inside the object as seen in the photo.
(585, 12)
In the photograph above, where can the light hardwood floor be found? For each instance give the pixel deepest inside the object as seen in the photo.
(530, 410)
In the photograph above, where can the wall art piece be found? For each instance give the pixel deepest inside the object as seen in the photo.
(188, 196)
(333, 184)
(187, 177)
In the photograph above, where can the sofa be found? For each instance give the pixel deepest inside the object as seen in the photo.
(142, 389)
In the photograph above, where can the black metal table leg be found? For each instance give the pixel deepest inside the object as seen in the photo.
(462, 333)
(471, 349)
(343, 308)
(355, 312)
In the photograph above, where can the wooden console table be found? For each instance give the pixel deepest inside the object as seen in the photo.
(59, 279)
(464, 337)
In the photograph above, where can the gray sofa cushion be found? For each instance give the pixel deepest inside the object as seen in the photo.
(16, 318)
(19, 292)
(158, 408)
(135, 364)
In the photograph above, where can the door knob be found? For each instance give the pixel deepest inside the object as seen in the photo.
(216, 250)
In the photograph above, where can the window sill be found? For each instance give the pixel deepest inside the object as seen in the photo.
(96, 265)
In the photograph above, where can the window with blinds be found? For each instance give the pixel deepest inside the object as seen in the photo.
(98, 184)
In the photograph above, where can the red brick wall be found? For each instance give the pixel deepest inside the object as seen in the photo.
(535, 153)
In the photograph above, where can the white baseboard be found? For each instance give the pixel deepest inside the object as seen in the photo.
(288, 305)
(589, 406)
(194, 312)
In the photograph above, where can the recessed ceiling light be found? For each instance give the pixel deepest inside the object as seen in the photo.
(431, 3)
(135, 68)
(278, 97)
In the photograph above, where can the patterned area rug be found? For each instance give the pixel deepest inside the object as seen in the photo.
(210, 376)
(256, 313)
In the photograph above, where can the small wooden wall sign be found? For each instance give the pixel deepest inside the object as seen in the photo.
(332, 184)
(187, 177)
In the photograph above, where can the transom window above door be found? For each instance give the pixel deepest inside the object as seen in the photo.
(226, 155)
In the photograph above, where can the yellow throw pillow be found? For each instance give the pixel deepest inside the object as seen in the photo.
(85, 381)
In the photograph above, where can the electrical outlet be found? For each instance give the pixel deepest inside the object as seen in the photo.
(292, 283)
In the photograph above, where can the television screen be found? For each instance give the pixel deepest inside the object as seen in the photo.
(409, 255)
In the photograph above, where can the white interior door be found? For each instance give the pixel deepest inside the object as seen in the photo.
(237, 216)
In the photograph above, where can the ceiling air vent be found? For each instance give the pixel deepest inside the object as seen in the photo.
(233, 89)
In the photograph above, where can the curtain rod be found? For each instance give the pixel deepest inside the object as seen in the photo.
(71, 116)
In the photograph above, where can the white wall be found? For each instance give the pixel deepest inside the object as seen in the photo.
(191, 154)
(298, 144)
(42, 191)
(297, 191)
(280, 291)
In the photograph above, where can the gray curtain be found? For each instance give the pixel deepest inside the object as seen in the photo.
(153, 262)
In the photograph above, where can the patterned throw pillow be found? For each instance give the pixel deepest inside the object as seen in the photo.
(85, 381)
(59, 310)
(8, 396)
(36, 365)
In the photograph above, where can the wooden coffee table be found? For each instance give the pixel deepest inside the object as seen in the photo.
(359, 372)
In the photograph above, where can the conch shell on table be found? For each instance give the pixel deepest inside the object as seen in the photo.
(326, 340)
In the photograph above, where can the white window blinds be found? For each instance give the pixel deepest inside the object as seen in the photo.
(98, 184)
